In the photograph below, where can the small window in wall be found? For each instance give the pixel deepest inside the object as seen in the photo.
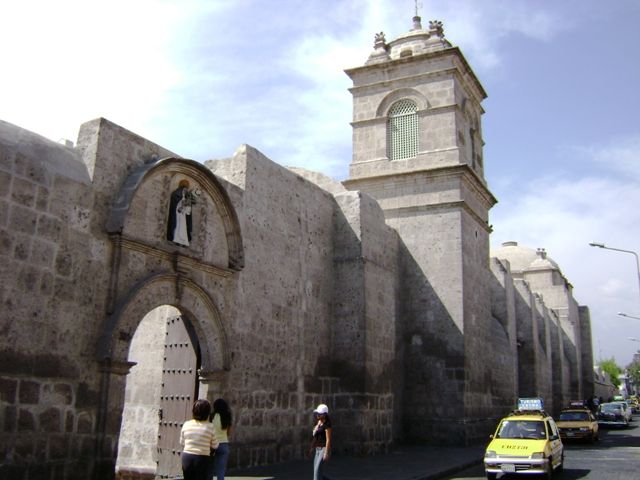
(402, 130)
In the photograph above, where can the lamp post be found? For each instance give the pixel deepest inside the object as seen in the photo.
(622, 314)
(602, 245)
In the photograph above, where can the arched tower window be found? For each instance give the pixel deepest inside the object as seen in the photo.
(402, 130)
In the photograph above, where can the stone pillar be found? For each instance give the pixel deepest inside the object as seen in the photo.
(113, 382)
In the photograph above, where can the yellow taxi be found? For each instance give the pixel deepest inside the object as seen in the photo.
(577, 423)
(527, 441)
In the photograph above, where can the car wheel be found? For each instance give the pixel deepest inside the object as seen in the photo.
(491, 476)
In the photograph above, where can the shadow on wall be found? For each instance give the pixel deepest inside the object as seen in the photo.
(441, 405)
(502, 374)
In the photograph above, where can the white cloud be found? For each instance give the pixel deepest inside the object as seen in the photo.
(68, 53)
(74, 60)
(622, 155)
(613, 287)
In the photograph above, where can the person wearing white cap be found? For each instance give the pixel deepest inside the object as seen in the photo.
(321, 444)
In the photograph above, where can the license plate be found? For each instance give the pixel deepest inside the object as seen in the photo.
(570, 434)
(508, 467)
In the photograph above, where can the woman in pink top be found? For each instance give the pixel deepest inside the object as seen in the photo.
(197, 438)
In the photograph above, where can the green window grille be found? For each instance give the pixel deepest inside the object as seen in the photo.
(402, 130)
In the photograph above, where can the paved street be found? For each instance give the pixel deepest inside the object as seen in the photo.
(403, 463)
(615, 457)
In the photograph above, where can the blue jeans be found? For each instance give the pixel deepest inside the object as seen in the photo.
(194, 467)
(317, 463)
(220, 461)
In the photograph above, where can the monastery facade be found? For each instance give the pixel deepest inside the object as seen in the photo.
(135, 281)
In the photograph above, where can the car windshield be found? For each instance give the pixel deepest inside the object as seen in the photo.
(611, 408)
(530, 429)
(573, 416)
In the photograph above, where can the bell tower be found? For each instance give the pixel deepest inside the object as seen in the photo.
(417, 149)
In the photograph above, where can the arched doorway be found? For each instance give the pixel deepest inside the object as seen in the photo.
(205, 334)
(160, 390)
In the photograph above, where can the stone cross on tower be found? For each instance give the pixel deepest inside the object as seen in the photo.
(416, 18)
(418, 5)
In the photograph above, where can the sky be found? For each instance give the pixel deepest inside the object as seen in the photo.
(201, 78)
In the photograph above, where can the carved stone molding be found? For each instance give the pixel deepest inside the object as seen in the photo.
(116, 367)
(179, 260)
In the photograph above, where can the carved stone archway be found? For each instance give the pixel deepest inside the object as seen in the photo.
(180, 292)
(200, 310)
(148, 272)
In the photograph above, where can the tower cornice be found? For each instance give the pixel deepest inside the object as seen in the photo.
(462, 171)
(428, 56)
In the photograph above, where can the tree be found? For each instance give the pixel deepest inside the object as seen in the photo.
(611, 368)
(634, 372)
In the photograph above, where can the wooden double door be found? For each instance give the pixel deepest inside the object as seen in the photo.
(179, 391)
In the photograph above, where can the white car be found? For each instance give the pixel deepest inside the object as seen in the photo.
(614, 413)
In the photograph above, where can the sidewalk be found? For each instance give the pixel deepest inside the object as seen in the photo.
(404, 463)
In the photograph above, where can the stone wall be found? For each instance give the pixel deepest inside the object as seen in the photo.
(278, 321)
(365, 300)
(503, 340)
(332, 259)
(588, 386)
(544, 379)
(557, 294)
(527, 340)
(83, 232)
(480, 407)
(52, 275)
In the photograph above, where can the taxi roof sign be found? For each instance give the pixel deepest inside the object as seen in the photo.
(530, 404)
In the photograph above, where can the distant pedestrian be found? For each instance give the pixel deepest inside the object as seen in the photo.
(197, 439)
(321, 444)
(222, 421)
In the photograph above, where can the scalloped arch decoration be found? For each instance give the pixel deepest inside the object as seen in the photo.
(409, 93)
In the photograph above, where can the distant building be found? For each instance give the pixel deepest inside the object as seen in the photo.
(625, 388)
(603, 386)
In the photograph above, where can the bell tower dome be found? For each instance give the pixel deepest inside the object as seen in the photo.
(417, 149)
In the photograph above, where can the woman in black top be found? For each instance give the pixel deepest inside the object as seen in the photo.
(321, 445)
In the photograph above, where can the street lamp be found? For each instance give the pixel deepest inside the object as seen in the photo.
(602, 245)
(634, 339)
(622, 314)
